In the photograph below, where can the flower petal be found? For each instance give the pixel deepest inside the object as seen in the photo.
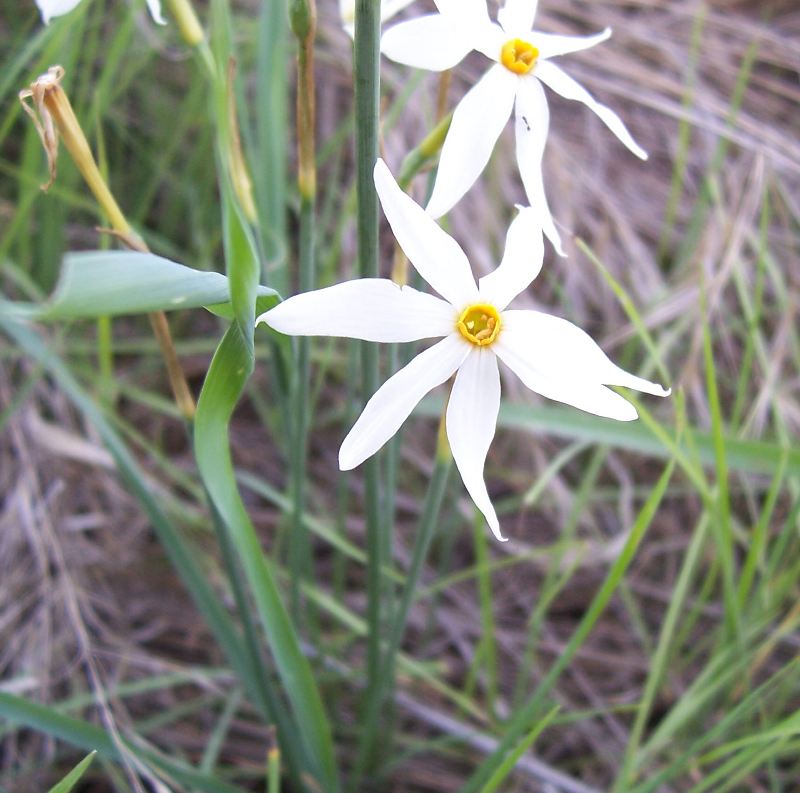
(560, 361)
(392, 403)
(560, 82)
(488, 38)
(531, 123)
(551, 45)
(464, 11)
(477, 123)
(517, 16)
(55, 8)
(592, 398)
(390, 8)
(430, 42)
(155, 11)
(471, 423)
(437, 257)
(521, 263)
(373, 309)
(557, 346)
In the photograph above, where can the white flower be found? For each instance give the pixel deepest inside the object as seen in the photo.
(550, 355)
(523, 63)
(389, 8)
(56, 8)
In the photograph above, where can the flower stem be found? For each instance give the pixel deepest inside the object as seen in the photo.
(437, 486)
(422, 542)
(367, 95)
(302, 17)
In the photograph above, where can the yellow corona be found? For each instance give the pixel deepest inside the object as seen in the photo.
(519, 56)
(479, 324)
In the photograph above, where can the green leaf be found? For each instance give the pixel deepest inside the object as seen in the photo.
(757, 457)
(108, 283)
(227, 376)
(71, 779)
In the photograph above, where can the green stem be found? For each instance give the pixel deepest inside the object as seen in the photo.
(424, 536)
(268, 701)
(367, 95)
(302, 18)
(299, 546)
(375, 712)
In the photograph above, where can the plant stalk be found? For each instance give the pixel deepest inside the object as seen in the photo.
(54, 118)
(302, 18)
(367, 95)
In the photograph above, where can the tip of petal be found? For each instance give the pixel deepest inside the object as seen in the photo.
(346, 461)
(495, 527)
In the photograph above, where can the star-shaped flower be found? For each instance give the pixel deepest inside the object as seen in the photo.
(523, 61)
(550, 355)
(57, 8)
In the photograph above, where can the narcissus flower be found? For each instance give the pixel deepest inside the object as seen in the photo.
(389, 8)
(57, 8)
(523, 61)
(550, 355)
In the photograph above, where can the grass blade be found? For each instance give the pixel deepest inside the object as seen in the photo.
(73, 777)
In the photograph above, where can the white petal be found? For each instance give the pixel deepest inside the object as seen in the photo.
(373, 309)
(390, 8)
(531, 123)
(514, 351)
(559, 361)
(560, 82)
(430, 42)
(471, 423)
(392, 403)
(522, 261)
(155, 11)
(559, 348)
(477, 123)
(464, 11)
(55, 8)
(517, 17)
(347, 11)
(437, 257)
(489, 38)
(551, 45)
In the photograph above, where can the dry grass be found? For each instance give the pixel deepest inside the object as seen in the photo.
(88, 601)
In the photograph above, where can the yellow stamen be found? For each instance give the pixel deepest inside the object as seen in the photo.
(479, 324)
(519, 56)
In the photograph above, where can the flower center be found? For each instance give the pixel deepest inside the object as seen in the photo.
(479, 324)
(519, 56)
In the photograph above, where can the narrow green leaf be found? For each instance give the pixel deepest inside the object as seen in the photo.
(507, 766)
(86, 736)
(757, 457)
(525, 715)
(109, 283)
(72, 778)
(227, 376)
